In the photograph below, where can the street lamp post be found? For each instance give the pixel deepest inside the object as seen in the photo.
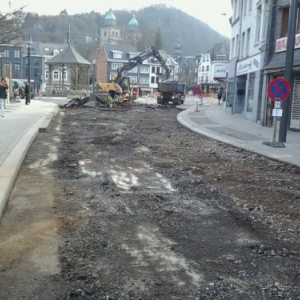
(28, 69)
(94, 75)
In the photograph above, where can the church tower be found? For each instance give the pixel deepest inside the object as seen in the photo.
(110, 34)
(133, 35)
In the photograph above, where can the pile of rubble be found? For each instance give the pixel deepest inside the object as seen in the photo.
(92, 101)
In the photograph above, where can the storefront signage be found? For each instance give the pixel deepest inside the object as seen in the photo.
(248, 65)
(220, 72)
(281, 44)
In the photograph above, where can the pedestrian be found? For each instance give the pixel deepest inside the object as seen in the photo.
(219, 97)
(198, 92)
(3, 95)
(27, 93)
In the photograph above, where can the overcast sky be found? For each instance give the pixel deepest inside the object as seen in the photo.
(208, 11)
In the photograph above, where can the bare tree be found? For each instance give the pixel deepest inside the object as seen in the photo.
(12, 25)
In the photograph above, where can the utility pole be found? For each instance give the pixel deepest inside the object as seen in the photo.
(288, 73)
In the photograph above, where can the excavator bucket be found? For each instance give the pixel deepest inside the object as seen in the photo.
(107, 87)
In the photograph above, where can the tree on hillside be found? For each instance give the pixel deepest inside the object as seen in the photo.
(158, 42)
(12, 25)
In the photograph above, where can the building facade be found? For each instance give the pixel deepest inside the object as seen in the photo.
(275, 60)
(245, 72)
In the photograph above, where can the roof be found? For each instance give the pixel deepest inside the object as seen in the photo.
(221, 48)
(278, 60)
(133, 21)
(110, 15)
(124, 49)
(68, 56)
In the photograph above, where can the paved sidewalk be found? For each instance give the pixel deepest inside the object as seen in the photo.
(19, 128)
(214, 122)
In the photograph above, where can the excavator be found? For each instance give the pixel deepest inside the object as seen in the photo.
(120, 85)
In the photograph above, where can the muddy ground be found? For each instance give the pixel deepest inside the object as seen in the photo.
(129, 204)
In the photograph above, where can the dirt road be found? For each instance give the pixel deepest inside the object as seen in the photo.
(128, 204)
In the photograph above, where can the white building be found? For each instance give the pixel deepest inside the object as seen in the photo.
(249, 23)
(212, 68)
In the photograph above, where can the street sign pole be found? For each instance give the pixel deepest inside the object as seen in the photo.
(278, 90)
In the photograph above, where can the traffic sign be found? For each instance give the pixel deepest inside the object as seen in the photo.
(279, 89)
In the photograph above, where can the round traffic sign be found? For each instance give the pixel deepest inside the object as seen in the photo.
(279, 89)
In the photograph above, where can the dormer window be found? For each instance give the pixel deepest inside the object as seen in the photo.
(55, 52)
(47, 49)
(117, 54)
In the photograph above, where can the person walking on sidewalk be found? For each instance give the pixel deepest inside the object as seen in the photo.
(3, 95)
(27, 94)
(219, 97)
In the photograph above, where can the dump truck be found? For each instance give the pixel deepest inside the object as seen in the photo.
(171, 91)
(119, 87)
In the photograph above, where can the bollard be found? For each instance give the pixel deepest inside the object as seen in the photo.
(197, 104)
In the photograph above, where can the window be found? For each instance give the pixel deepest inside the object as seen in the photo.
(17, 70)
(36, 62)
(248, 42)
(133, 79)
(132, 55)
(203, 68)
(152, 69)
(202, 78)
(117, 54)
(245, 7)
(144, 80)
(236, 10)
(64, 75)
(55, 52)
(46, 74)
(134, 70)
(250, 5)
(232, 47)
(144, 70)
(157, 79)
(152, 79)
(116, 66)
(243, 45)
(6, 53)
(17, 53)
(36, 72)
(207, 68)
(258, 24)
(206, 78)
(221, 57)
(284, 22)
(6, 68)
(55, 75)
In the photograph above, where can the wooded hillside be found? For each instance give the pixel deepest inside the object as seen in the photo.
(173, 24)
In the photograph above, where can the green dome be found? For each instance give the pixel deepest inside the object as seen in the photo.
(110, 16)
(133, 21)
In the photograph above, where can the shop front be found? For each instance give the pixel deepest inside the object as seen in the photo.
(244, 89)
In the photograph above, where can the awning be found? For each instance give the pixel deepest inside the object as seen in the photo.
(277, 62)
(145, 89)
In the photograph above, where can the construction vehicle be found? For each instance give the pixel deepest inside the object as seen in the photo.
(171, 91)
(119, 87)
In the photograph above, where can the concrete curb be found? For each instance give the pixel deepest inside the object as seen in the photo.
(11, 166)
(184, 120)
